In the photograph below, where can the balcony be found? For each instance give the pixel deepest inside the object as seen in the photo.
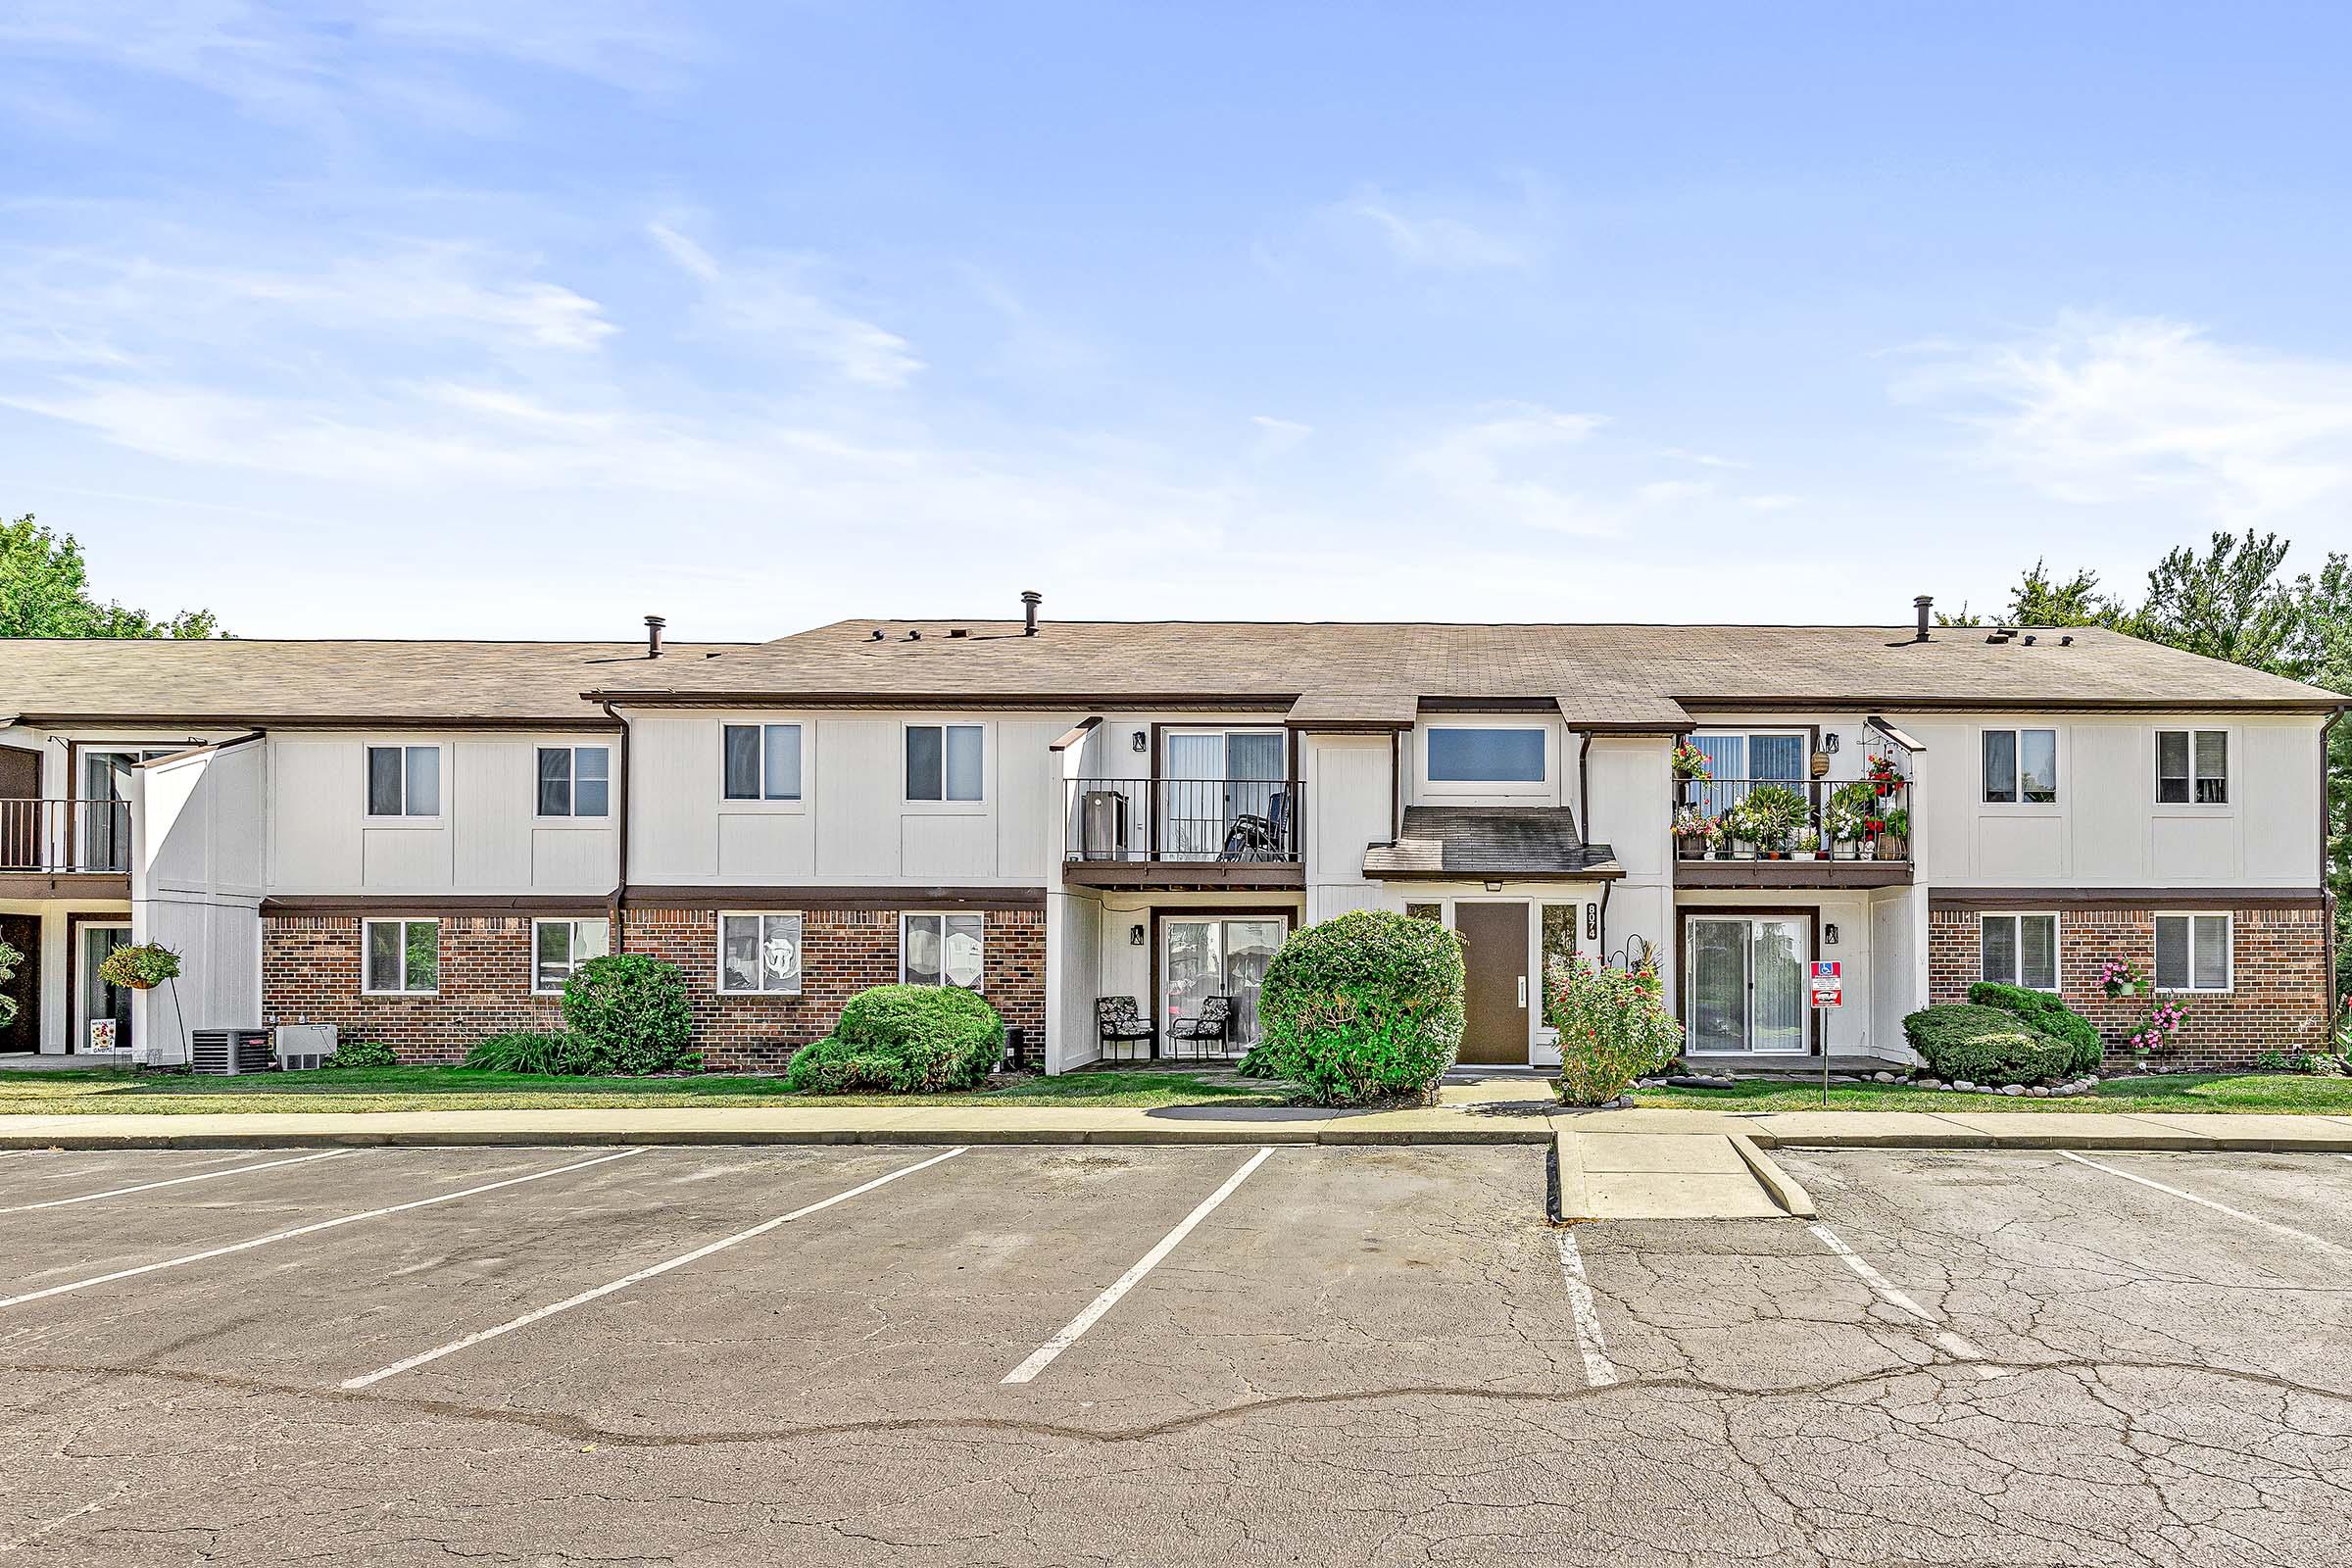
(1172, 833)
(1794, 832)
(52, 848)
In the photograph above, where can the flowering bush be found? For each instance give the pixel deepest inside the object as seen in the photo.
(1689, 763)
(2164, 1022)
(1614, 1026)
(1692, 823)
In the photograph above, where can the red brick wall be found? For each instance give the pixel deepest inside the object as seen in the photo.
(311, 974)
(2277, 1000)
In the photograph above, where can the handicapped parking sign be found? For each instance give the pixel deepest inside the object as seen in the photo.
(1828, 989)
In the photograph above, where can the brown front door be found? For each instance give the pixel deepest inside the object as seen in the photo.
(1494, 948)
(20, 809)
(23, 932)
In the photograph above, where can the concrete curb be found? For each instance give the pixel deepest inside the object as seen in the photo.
(1782, 1186)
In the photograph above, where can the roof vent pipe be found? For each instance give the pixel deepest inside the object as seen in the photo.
(652, 636)
(1923, 604)
(1030, 600)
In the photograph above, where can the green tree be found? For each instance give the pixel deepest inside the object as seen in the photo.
(2227, 604)
(45, 592)
(2036, 601)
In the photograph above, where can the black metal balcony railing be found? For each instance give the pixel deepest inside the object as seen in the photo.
(64, 836)
(1199, 819)
(1860, 819)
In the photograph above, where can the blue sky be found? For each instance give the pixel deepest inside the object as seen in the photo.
(530, 317)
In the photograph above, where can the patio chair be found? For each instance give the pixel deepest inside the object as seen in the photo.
(1120, 1024)
(1214, 1023)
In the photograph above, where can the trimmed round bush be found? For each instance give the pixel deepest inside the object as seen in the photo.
(902, 1040)
(1365, 1006)
(2045, 1013)
(632, 1010)
(1964, 1041)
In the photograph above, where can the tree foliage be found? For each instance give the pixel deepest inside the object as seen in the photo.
(45, 592)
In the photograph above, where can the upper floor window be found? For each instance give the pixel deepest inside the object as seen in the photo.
(762, 761)
(403, 956)
(558, 946)
(936, 950)
(2021, 766)
(404, 781)
(575, 781)
(2192, 766)
(2192, 952)
(2018, 950)
(943, 761)
(1484, 755)
(760, 952)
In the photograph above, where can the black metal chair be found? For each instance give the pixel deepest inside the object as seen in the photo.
(1119, 1024)
(1214, 1023)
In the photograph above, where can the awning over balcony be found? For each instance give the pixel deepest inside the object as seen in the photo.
(1490, 843)
(1361, 707)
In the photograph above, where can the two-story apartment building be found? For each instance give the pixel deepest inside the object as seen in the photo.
(416, 841)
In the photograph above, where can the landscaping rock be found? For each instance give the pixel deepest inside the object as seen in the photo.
(1882, 1077)
(2013, 1089)
(1697, 1080)
(2039, 1092)
(1965, 1087)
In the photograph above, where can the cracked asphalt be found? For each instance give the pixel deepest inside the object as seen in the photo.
(1361, 1356)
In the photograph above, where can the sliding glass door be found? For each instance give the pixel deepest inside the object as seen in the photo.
(1218, 780)
(1217, 956)
(1744, 984)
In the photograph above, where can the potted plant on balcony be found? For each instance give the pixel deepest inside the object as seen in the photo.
(1775, 811)
(1806, 846)
(1850, 809)
(1894, 838)
(1692, 768)
(1695, 833)
(1884, 777)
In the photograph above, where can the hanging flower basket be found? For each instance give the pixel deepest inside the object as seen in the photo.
(140, 966)
(2118, 978)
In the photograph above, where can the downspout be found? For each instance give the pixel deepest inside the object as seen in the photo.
(621, 806)
(2326, 893)
(1605, 919)
(1584, 789)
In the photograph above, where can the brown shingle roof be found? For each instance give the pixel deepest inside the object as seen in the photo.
(1469, 842)
(1606, 676)
(232, 681)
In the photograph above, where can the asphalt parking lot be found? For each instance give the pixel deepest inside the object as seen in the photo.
(1050, 1355)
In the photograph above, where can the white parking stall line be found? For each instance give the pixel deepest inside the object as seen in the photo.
(2218, 1209)
(1599, 1370)
(177, 1181)
(1042, 1356)
(1955, 1346)
(312, 1229)
(536, 1314)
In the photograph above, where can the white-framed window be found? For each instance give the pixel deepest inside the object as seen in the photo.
(760, 952)
(760, 761)
(400, 957)
(2018, 950)
(1486, 754)
(575, 781)
(2021, 766)
(2194, 952)
(943, 761)
(2192, 767)
(936, 950)
(404, 781)
(558, 946)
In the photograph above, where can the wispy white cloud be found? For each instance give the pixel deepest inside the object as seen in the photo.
(1276, 436)
(1435, 240)
(1772, 502)
(1512, 466)
(768, 298)
(2100, 409)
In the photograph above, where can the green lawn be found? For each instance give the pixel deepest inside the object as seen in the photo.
(373, 1089)
(2291, 1093)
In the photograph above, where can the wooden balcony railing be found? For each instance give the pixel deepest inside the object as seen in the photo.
(65, 836)
(1183, 819)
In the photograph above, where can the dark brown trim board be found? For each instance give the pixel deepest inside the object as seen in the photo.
(1077, 733)
(1682, 914)
(1611, 874)
(65, 885)
(76, 919)
(709, 896)
(2185, 898)
(421, 904)
(1791, 873)
(1174, 876)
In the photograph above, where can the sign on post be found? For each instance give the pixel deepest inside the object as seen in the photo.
(1828, 987)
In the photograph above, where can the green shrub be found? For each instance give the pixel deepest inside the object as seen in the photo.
(1364, 1006)
(1965, 1042)
(902, 1040)
(2046, 1014)
(363, 1053)
(536, 1050)
(1614, 1026)
(633, 1009)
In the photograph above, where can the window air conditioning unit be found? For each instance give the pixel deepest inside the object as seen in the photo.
(1102, 825)
(229, 1051)
(303, 1046)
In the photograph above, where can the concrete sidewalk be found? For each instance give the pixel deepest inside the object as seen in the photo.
(1498, 1121)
